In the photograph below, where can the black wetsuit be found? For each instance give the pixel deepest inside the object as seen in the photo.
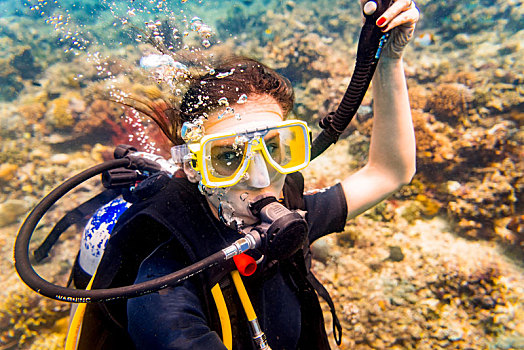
(184, 317)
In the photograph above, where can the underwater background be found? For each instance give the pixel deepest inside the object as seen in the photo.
(437, 265)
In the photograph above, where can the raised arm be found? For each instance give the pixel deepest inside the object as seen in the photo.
(391, 161)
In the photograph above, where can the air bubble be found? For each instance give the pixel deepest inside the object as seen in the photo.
(242, 99)
(225, 74)
(196, 23)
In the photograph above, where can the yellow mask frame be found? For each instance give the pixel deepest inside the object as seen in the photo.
(222, 159)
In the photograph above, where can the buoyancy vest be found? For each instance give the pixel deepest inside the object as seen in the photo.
(177, 215)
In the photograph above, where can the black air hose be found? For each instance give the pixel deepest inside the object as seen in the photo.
(38, 284)
(368, 53)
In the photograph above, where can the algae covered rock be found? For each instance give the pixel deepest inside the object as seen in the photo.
(12, 210)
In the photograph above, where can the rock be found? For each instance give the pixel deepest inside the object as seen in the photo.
(321, 250)
(462, 39)
(24, 63)
(7, 171)
(11, 210)
(395, 254)
(60, 159)
(508, 342)
(455, 334)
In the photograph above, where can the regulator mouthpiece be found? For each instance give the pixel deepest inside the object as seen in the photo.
(283, 231)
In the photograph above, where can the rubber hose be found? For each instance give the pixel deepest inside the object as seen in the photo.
(367, 58)
(38, 284)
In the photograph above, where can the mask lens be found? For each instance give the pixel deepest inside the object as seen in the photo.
(288, 147)
(224, 158)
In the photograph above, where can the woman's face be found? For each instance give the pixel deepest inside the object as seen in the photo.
(231, 204)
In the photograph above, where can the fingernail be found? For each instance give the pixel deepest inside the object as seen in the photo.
(381, 21)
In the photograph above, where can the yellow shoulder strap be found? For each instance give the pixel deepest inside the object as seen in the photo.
(223, 314)
(76, 323)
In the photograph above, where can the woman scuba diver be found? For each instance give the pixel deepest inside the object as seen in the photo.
(243, 158)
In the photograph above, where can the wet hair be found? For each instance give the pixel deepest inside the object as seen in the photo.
(231, 78)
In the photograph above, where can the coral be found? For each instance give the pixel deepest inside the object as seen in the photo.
(11, 210)
(24, 315)
(422, 206)
(481, 295)
(510, 230)
(140, 132)
(435, 150)
(383, 211)
(97, 116)
(411, 211)
(482, 147)
(32, 112)
(478, 204)
(17, 65)
(470, 79)
(10, 82)
(467, 98)
(59, 114)
(49, 341)
(430, 207)
(418, 96)
(455, 17)
(449, 102)
(24, 64)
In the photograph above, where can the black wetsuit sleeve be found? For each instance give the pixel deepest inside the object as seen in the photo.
(326, 211)
(171, 318)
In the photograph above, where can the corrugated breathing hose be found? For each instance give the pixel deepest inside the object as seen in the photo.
(368, 53)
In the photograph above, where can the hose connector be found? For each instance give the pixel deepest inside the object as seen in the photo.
(249, 241)
(259, 337)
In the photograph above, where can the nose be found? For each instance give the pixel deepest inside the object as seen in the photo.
(258, 176)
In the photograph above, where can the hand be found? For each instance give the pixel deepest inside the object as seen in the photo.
(400, 18)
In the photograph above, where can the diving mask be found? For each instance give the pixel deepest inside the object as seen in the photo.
(222, 159)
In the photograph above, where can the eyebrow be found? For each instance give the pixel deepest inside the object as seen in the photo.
(271, 135)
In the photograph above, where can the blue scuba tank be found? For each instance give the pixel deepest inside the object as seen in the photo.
(97, 232)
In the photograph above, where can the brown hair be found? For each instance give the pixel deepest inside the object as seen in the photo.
(231, 78)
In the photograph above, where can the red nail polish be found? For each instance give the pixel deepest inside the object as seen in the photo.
(381, 21)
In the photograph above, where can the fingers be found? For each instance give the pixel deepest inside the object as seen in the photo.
(406, 19)
(399, 13)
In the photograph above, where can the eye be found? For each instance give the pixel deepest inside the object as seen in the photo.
(273, 147)
(227, 156)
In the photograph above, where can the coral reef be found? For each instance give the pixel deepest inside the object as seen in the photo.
(418, 288)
